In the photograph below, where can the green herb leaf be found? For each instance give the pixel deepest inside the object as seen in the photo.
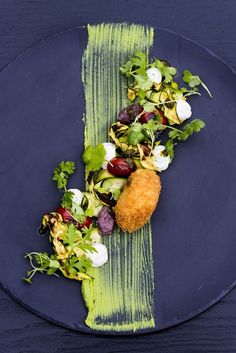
(138, 61)
(170, 148)
(66, 201)
(143, 83)
(79, 265)
(148, 107)
(72, 235)
(93, 157)
(78, 212)
(167, 71)
(135, 134)
(62, 172)
(175, 134)
(41, 262)
(89, 212)
(151, 125)
(194, 80)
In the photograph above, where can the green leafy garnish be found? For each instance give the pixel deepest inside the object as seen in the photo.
(62, 172)
(194, 80)
(75, 265)
(182, 135)
(72, 235)
(78, 212)
(138, 61)
(143, 84)
(41, 262)
(195, 126)
(151, 125)
(93, 157)
(170, 148)
(135, 134)
(66, 201)
(167, 71)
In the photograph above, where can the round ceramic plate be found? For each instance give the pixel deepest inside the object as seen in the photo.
(194, 243)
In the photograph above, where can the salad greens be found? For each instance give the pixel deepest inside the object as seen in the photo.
(182, 135)
(144, 136)
(62, 172)
(143, 90)
(194, 80)
(93, 157)
(70, 246)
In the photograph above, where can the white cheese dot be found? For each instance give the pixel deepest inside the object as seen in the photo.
(183, 109)
(110, 153)
(161, 161)
(77, 196)
(154, 75)
(100, 257)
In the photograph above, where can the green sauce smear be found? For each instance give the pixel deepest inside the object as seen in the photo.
(121, 295)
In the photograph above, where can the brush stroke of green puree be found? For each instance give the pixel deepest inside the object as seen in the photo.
(121, 295)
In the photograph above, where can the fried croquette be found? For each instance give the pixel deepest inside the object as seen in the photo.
(138, 200)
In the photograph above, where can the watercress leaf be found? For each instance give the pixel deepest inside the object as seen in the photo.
(170, 148)
(151, 125)
(143, 82)
(141, 94)
(54, 264)
(148, 107)
(62, 172)
(93, 157)
(87, 247)
(192, 80)
(40, 262)
(78, 212)
(135, 134)
(197, 125)
(195, 81)
(66, 201)
(187, 76)
(183, 136)
(171, 70)
(51, 271)
(172, 134)
(134, 137)
(138, 61)
(194, 126)
(72, 235)
(167, 71)
(89, 212)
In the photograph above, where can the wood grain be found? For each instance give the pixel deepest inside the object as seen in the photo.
(211, 23)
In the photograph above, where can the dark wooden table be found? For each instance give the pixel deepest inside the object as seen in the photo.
(211, 23)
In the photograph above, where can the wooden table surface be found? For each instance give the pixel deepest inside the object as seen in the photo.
(212, 24)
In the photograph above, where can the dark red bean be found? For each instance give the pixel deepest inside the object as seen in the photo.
(121, 167)
(164, 120)
(128, 114)
(145, 117)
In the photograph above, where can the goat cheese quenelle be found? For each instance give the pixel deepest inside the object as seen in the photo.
(142, 143)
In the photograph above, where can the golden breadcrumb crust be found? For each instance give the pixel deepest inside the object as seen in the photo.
(138, 200)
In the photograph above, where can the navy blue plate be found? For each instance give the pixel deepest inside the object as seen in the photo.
(194, 243)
